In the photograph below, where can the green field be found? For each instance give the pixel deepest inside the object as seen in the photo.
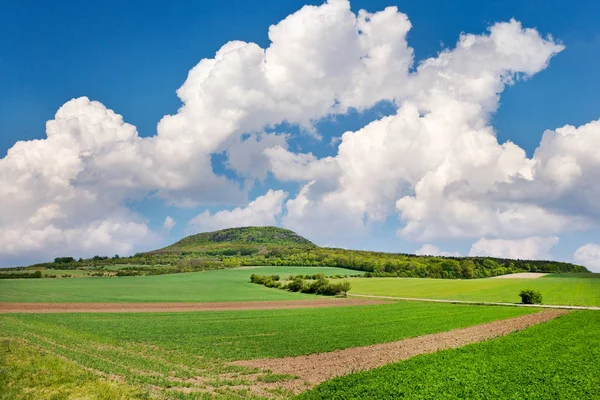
(214, 285)
(189, 350)
(555, 360)
(578, 289)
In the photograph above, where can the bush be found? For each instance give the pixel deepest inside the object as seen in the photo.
(296, 285)
(266, 280)
(529, 296)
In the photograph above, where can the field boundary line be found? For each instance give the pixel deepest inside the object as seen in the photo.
(478, 303)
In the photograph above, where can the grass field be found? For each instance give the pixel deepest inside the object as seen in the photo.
(214, 285)
(566, 289)
(555, 360)
(187, 352)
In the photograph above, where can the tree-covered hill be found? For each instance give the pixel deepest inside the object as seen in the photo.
(256, 246)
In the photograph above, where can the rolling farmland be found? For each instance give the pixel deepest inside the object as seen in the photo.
(214, 334)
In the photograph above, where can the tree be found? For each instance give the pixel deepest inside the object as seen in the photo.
(468, 269)
(529, 296)
(345, 287)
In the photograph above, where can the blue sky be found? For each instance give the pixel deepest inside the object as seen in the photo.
(132, 57)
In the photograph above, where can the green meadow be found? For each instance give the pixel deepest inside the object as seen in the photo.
(564, 289)
(555, 360)
(207, 286)
(186, 352)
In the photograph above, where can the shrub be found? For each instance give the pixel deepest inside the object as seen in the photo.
(296, 285)
(331, 289)
(529, 296)
(270, 283)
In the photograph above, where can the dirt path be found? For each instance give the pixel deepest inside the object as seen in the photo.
(179, 307)
(317, 368)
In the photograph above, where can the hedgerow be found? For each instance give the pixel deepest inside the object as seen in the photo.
(316, 284)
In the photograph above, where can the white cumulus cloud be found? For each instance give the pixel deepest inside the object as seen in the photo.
(589, 256)
(263, 211)
(169, 223)
(436, 160)
(531, 248)
(429, 249)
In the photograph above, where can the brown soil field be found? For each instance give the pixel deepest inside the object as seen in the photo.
(317, 368)
(179, 307)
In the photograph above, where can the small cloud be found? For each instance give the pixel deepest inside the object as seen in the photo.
(531, 248)
(432, 250)
(169, 223)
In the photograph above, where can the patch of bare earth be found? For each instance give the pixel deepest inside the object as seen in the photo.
(317, 368)
(179, 307)
(521, 275)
